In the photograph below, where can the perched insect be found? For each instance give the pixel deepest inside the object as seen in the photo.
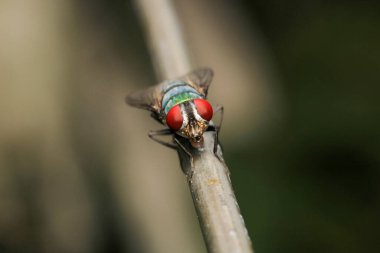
(181, 105)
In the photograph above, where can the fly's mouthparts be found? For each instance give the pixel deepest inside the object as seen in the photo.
(197, 142)
(198, 138)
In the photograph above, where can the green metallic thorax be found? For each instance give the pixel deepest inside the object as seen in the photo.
(178, 92)
(178, 99)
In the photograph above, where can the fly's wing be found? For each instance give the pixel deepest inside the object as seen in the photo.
(200, 79)
(147, 99)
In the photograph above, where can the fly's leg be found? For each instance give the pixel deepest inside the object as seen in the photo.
(221, 109)
(217, 129)
(153, 135)
(187, 152)
(216, 142)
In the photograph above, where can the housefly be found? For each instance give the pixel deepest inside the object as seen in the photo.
(181, 105)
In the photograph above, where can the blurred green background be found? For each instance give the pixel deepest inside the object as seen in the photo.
(299, 81)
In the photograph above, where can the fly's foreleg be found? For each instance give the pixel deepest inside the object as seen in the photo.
(153, 135)
(187, 152)
(220, 109)
(217, 129)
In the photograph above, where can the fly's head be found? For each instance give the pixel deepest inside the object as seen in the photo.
(190, 119)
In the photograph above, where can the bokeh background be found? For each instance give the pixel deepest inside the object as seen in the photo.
(300, 84)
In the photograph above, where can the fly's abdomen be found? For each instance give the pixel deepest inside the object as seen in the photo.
(178, 92)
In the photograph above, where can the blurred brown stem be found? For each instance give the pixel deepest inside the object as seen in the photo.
(218, 212)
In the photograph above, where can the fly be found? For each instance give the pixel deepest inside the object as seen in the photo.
(181, 105)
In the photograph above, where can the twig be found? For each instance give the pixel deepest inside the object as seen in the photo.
(218, 212)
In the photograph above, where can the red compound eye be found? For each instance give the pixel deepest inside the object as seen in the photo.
(174, 118)
(204, 108)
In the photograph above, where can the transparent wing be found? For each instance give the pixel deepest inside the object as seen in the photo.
(148, 99)
(151, 98)
(200, 79)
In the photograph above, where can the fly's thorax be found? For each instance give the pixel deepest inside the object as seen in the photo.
(177, 92)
